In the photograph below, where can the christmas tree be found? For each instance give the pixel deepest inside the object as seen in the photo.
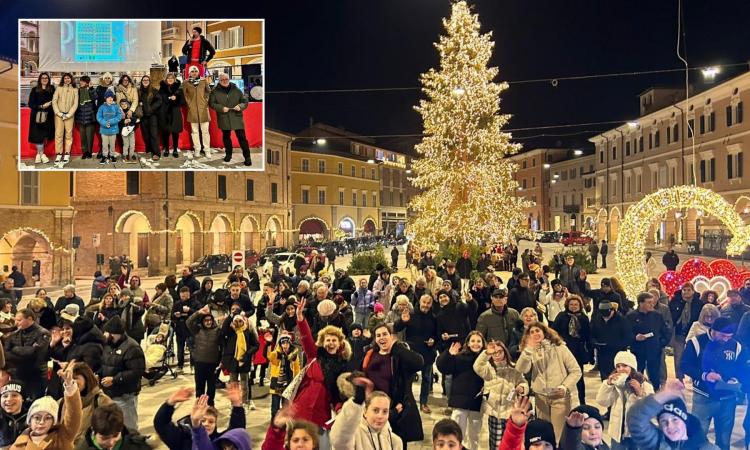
(468, 192)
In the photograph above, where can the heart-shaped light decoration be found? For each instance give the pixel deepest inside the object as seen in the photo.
(671, 281)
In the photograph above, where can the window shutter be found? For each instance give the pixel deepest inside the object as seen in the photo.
(713, 169)
(729, 116)
(729, 166)
(702, 126)
(703, 171)
(738, 170)
(739, 112)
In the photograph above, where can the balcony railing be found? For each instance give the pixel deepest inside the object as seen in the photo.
(571, 209)
(169, 33)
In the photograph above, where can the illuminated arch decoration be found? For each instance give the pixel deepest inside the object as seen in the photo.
(631, 239)
(193, 216)
(319, 219)
(120, 224)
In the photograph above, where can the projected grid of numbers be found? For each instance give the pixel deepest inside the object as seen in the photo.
(96, 41)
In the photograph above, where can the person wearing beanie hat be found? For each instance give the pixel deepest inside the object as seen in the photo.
(13, 412)
(109, 116)
(377, 317)
(127, 126)
(284, 362)
(536, 434)
(715, 362)
(123, 365)
(677, 429)
(44, 431)
(583, 430)
(329, 314)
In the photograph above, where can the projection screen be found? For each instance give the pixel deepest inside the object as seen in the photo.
(98, 45)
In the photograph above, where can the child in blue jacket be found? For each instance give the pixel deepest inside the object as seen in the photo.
(109, 116)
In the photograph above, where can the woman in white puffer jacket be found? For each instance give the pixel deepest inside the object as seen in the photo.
(554, 373)
(619, 392)
(502, 382)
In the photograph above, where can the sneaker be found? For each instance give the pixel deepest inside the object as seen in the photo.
(45, 160)
(113, 159)
(425, 409)
(203, 153)
(103, 161)
(58, 158)
(251, 405)
(66, 158)
(38, 159)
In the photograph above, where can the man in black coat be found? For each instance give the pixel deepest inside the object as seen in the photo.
(522, 296)
(670, 259)
(464, 268)
(650, 335)
(343, 284)
(26, 353)
(69, 297)
(603, 250)
(188, 279)
(394, 258)
(685, 306)
(123, 366)
(452, 276)
(18, 277)
(610, 333)
(606, 294)
(420, 332)
(453, 323)
(183, 308)
(204, 54)
(331, 257)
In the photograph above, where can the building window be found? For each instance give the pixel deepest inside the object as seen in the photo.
(556, 202)
(734, 114)
(167, 48)
(702, 126)
(738, 112)
(614, 154)
(235, 37)
(216, 40)
(354, 171)
(71, 184)
(354, 198)
(305, 165)
(340, 169)
(305, 196)
(250, 190)
(708, 170)
(523, 183)
(638, 183)
(30, 188)
(533, 181)
(734, 166)
(372, 173)
(274, 193)
(572, 174)
(375, 198)
(601, 157)
(363, 173)
(640, 144)
(321, 197)
(533, 162)
(691, 128)
(400, 199)
(364, 199)
(189, 182)
(657, 142)
(133, 180)
(564, 175)
(627, 148)
(675, 133)
(341, 198)
(222, 187)
(650, 141)
(523, 164)
(321, 166)
(711, 122)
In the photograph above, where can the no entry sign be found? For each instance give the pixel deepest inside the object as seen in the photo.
(238, 258)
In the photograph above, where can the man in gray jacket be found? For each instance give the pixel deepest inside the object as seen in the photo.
(496, 323)
(205, 352)
(229, 102)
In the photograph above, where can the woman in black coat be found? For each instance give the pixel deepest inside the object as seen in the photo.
(404, 363)
(238, 359)
(170, 115)
(574, 327)
(40, 101)
(150, 102)
(465, 396)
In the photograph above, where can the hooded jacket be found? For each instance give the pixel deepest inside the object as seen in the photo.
(61, 435)
(91, 398)
(228, 336)
(619, 398)
(196, 98)
(109, 114)
(206, 347)
(453, 319)
(203, 296)
(65, 100)
(124, 361)
(178, 436)
(237, 436)
(11, 426)
(128, 441)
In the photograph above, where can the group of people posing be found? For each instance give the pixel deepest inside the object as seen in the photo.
(119, 109)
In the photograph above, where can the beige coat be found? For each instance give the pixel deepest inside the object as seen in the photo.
(65, 100)
(93, 398)
(499, 382)
(350, 431)
(61, 436)
(620, 400)
(196, 98)
(130, 92)
(551, 366)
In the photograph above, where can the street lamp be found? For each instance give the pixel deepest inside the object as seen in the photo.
(633, 125)
(577, 152)
(547, 166)
(320, 141)
(709, 73)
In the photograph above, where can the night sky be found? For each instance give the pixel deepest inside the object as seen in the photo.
(388, 43)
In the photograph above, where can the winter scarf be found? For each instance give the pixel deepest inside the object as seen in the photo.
(686, 312)
(84, 96)
(332, 366)
(241, 347)
(574, 325)
(290, 323)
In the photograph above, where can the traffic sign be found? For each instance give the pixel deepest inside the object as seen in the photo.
(238, 258)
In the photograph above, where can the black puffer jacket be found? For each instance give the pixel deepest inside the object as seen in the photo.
(229, 346)
(86, 113)
(206, 346)
(88, 344)
(467, 385)
(453, 319)
(124, 361)
(26, 351)
(345, 284)
(12, 426)
(150, 101)
(420, 328)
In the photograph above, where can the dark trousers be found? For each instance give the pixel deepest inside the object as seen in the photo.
(87, 137)
(226, 135)
(604, 260)
(650, 362)
(150, 133)
(205, 380)
(181, 342)
(165, 140)
(606, 361)
(276, 402)
(581, 387)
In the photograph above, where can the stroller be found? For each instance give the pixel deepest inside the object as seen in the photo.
(158, 352)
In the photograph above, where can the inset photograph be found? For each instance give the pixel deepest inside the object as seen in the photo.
(141, 94)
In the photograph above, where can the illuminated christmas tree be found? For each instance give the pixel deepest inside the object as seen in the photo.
(469, 194)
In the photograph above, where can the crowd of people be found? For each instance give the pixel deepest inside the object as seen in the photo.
(116, 110)
(341, 357)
